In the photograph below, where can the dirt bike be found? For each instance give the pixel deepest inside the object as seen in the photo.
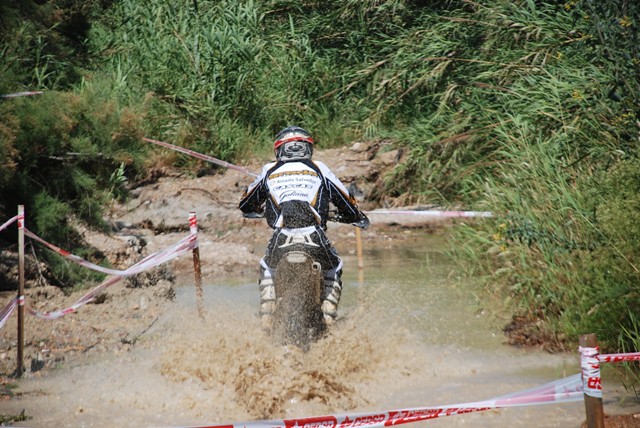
(301, 255)
(299, 285)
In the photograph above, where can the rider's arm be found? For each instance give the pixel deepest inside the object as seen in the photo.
(253, 199)
(348, 211)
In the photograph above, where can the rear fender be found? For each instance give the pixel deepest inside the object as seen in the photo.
(299, 285)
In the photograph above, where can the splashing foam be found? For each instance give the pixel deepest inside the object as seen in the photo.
(236, 363)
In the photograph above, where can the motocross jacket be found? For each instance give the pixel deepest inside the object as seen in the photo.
(302, 189)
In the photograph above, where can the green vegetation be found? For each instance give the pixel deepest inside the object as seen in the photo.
(7, 389)
(20, 417)
(526, 108)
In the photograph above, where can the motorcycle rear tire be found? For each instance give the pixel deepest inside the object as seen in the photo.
(299, 285)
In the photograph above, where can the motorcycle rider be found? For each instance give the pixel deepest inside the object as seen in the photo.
(294, 192)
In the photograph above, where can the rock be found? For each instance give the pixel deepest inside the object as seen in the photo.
(359, 147)
(144, 303)
(387, 158)
(165, 290)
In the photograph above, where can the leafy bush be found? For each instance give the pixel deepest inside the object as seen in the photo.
(60, 151)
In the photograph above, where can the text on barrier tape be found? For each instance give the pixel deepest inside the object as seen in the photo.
(559, 391)
(616, 358)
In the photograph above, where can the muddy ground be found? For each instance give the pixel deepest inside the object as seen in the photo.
(153, 218)
(156, 216)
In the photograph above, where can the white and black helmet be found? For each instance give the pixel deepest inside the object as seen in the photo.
(293, 143)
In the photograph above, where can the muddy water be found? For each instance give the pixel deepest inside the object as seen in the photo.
(409, 335)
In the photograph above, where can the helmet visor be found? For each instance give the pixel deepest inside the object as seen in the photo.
(294, 136)
(294, 150)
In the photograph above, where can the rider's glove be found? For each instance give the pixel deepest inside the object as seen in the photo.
(253, 215)
(363, 222)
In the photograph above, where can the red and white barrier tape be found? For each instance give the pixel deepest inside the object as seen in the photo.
(8, 222)
(7, 311)
(429, 213)
(559, 391)
(590, 364)
(21, 94)
(616, 358)
(200, 156)
(433, 213)
(52, 315)
(188, 243)
(193, 223)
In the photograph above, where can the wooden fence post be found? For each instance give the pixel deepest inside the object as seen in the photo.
(591, 382)
(20, 357)
(359, 253)
(193, 226)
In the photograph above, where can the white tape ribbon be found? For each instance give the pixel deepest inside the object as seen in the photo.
(187, 243)
(7, 311)
(617, 358)
(432, 213)
(590, 365)
(8, 222)
(193, 223)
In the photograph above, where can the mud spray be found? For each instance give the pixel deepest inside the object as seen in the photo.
(407, 336)
(247, 376)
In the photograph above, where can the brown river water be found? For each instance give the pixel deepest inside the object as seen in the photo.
(410, 334)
